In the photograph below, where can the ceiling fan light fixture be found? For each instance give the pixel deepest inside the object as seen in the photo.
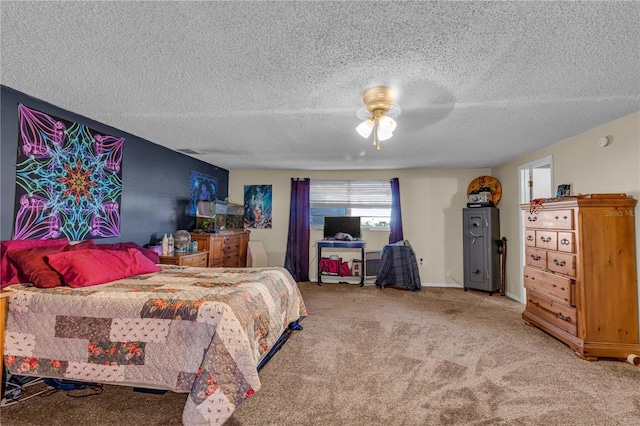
(387, 124)
(380, 106)
(365, 128)
(383, 135)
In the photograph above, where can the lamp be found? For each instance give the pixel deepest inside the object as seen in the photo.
(378, 113)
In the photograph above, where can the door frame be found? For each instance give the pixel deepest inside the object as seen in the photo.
(523, 197)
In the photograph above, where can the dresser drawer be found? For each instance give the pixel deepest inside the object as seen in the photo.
(562, 263)
(549, 285)
(555, 219)
(536, 257)
(565, 242)
(530, 238)
(199, 260)
(562, 316)
(547, 240)
(232, 247)
(232, 260)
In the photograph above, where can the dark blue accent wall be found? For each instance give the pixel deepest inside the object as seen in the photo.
(155, 179)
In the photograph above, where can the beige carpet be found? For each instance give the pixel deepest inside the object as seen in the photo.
(366, 356)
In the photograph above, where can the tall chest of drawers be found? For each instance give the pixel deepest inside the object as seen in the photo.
(580, 273)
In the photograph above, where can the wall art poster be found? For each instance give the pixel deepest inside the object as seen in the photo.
(68, 180)
(203, 188)
(257, 206)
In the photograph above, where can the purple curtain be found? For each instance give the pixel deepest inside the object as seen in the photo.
(297, 257)
(396, 214)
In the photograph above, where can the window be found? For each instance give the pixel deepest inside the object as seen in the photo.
(369, 199)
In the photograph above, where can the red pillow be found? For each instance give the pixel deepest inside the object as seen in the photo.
(88, 267)
(34, 267)
(148, 253)
(9, 274)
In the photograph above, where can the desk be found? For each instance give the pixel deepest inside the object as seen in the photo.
(340, 245)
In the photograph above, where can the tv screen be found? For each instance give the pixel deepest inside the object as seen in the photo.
(345, 224)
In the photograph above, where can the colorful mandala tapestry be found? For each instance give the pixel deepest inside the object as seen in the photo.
(68, 180)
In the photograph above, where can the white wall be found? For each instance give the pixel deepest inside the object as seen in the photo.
(589, 169)
(431, 201)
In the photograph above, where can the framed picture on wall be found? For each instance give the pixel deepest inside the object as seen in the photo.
(257, 206)
(203, 188)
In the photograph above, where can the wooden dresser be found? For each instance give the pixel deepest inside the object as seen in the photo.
(580, 273)
(226, 248)
(198, 259)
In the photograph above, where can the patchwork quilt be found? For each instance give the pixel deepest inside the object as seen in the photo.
(196, 330)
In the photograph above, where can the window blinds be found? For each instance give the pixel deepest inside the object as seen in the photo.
(350, 193)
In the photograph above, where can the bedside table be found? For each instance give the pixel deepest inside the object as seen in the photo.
(4, 295)
(198, 258)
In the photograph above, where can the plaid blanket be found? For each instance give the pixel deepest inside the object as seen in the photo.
(398, 266)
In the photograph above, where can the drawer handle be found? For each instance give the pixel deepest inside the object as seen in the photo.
(545, 240)
(534, 257)
(529, 238)
(563, 318)
(534, 303)
(533, 219)
(557, 217)
(564, 242)
(561, 263)
(565, 217)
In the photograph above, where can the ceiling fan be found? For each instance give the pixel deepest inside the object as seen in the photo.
(378, 114)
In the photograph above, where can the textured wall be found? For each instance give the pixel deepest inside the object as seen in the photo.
(155, 180)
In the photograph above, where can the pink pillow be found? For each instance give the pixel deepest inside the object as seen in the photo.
(88, 267)
(148, 253)
(9, 274)
(33, 265)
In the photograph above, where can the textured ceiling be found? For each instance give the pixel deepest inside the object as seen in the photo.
(277, 85)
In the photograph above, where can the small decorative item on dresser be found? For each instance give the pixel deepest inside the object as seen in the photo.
(182, 239)
(171, 245)
(564, 190)
(165, 245)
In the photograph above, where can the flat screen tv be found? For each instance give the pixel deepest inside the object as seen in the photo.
(345, 224)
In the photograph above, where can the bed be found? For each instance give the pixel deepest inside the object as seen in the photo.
(202, 331)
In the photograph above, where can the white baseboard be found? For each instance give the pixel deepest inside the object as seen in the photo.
(513, 296)
(452, 285)
(441, 285)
